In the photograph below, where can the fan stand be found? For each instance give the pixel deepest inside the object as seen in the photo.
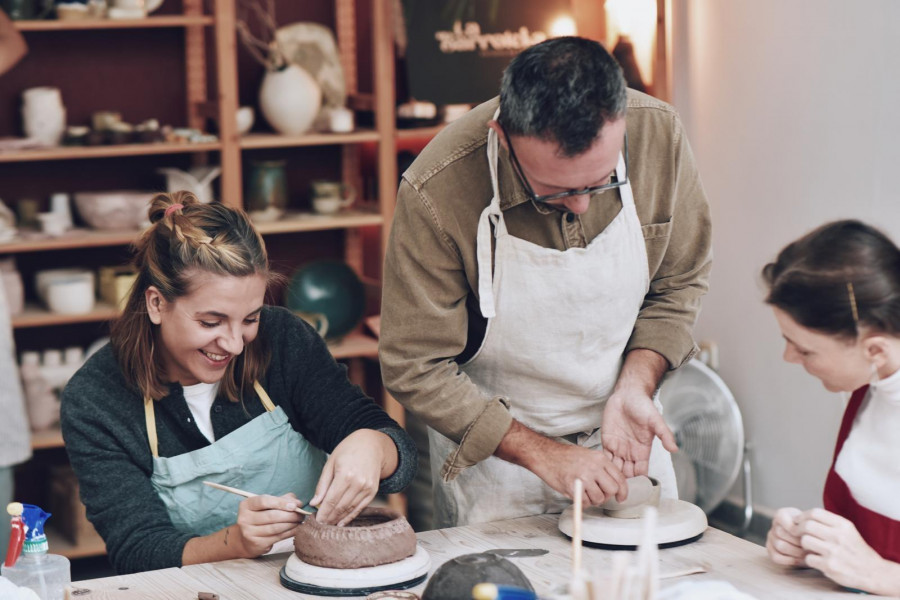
(678, 522)
(305, 578)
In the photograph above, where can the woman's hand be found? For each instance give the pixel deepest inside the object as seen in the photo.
(352, 474)
(835, 547)
(262, 521)
(783, 541)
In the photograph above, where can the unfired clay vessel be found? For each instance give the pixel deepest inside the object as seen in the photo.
(377, 536)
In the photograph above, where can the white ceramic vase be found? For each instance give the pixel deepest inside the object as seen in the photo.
(43, 115)
(289, 100)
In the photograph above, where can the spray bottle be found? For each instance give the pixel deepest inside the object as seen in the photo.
(46, 574)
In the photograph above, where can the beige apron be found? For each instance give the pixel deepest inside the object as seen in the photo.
(558, 324)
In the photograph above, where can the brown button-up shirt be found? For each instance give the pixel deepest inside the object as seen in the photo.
(430, 316)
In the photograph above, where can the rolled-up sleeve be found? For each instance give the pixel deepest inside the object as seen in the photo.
(424, 327)
(679, 253)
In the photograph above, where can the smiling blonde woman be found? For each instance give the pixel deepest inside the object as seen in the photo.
(203, 381)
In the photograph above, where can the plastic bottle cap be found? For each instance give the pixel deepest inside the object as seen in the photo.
(15, 509)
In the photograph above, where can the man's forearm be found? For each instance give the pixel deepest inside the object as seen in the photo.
(522, 446)
(642, 371)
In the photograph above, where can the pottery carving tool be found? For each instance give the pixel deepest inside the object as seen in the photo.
(245, 494)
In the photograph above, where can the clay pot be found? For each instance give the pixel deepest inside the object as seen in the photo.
(376, 537)
(456, 577)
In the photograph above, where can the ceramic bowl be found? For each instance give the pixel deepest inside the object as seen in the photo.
(115, 210)
(71, 294)
(642, 491)
(43, 279)
(377, 536)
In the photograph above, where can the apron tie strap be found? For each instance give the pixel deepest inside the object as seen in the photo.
(150, 418)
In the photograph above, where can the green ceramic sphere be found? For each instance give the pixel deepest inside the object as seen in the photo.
(331, 288)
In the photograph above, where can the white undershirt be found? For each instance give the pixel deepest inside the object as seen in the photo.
(200, 398)
(868, 460)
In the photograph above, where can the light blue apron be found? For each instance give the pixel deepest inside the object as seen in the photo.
(265, 456)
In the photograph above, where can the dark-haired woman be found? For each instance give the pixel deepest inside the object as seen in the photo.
(836, 296)
(202, 381)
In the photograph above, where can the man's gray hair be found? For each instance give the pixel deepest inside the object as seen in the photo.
(563, 90)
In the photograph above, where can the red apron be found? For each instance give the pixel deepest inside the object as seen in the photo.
(880, 532)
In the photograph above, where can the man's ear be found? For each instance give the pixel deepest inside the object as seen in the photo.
(155, 304)
(495, 125)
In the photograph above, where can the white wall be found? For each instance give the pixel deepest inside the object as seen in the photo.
(793, 110)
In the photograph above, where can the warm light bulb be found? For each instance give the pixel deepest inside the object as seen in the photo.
(563, 26)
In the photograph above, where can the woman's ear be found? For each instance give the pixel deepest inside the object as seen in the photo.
(155, 304)
(880, 351)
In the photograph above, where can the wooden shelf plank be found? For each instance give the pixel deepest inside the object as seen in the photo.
(304, 221)
(81, 24)
(354, 345)
(34, 316)
(79, 152)
(76, 238)
(272, 140)
(50, 438)
(416, 133)
(291, 223)
(60, 544)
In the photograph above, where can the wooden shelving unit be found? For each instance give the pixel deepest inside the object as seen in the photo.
(212, 91)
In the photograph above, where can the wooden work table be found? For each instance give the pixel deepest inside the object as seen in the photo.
(723, 556)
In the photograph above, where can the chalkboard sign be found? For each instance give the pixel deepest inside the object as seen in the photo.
(458, 48)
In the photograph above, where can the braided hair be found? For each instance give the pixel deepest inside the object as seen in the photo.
(186, 236)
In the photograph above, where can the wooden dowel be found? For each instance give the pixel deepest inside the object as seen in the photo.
(245, 494)
(576, 528)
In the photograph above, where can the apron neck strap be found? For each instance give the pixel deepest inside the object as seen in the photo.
(150, 416)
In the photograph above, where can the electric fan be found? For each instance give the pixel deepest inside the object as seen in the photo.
(706, 421)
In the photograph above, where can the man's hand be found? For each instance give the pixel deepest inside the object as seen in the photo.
(559, 465)
(630, 420)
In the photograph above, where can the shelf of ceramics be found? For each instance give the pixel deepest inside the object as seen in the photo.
(34, 316)
(76, 152)
(416, 133)
(60, 544)
(273, 140)
(148, 22)
(49, 438)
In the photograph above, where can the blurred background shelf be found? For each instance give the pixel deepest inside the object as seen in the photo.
(89, 24)
(116, 151)
(35, 316)
(274, 140)
(60, 544)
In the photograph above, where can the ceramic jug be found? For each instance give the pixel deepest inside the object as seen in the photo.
(198, 181)
(266, 193)
(43, 115)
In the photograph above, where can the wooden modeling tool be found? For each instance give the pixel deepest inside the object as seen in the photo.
(245, 494)
(576, 525)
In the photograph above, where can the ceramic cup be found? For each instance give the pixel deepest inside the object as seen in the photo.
(328, 197)
(642, 491)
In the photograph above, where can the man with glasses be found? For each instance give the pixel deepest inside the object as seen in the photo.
(545, 268)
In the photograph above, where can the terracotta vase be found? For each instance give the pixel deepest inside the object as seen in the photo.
(289, 99)
(377, 536)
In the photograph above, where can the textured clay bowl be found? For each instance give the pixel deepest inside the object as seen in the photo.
(377, 536)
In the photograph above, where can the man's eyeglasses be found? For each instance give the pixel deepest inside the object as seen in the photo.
(582, 192)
